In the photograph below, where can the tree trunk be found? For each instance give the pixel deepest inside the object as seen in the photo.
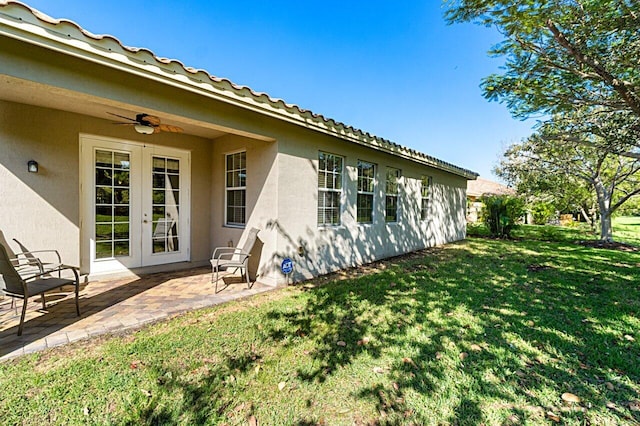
(589, 219)
(604, 207)
(606, 232)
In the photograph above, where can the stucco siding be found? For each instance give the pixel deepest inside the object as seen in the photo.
(42, 210)
(261, 199)
(328, 248)
(281, 141)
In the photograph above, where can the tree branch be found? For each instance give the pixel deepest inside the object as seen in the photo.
(630, 98)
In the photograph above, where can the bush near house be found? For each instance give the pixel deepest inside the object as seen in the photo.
(501, 214)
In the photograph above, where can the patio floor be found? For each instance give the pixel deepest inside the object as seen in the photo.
(111, 306)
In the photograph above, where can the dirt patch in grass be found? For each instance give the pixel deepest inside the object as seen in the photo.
(609, 245)
(537, 268)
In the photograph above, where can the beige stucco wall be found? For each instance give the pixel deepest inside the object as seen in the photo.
(331, 248)
(261, 199)
(42, 210)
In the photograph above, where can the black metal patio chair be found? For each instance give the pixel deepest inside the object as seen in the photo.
(14, 285)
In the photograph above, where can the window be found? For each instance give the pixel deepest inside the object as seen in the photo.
(366, 184)
(391, 199)
(425, 191)
(166, 204)
(329, 188)
(236, 194)
(112, 171)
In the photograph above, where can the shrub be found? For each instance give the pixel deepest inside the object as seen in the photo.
(542, 212)
(501, 214)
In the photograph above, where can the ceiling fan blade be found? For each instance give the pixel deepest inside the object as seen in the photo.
(170, 128)
(146, 118)
(122, 116)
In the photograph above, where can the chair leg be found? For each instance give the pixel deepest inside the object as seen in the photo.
(44, 306)
(246, 274)
(216, 290)
(77, 291)
(77, 297)
(24, 312)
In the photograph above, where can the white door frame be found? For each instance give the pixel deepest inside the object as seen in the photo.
(140, 207)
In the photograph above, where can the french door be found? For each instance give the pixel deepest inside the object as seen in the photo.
(135, 204)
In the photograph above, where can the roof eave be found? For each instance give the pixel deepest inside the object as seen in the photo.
(41, 30)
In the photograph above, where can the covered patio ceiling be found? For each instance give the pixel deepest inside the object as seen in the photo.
(21, 91)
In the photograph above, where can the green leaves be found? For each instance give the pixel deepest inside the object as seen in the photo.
(500, 214)
(560, 54)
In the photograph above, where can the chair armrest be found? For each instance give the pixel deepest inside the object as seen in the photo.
(29, 254)
(228, 257)
(223, 251)
(59, 268)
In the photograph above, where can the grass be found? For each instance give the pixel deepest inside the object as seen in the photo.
(481, 331)
(625, 230)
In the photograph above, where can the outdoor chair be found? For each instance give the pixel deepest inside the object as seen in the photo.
(14, 285)
(230, 258)
(27, 263)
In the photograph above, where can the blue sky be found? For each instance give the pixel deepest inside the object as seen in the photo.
(393, 69)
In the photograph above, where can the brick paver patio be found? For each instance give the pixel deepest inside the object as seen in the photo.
(111, 306)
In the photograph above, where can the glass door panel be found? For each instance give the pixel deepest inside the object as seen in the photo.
(165, 205)
(165, 224)
(135, 204)
(112, 204)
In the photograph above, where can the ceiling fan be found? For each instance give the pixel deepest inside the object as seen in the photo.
(148, 124)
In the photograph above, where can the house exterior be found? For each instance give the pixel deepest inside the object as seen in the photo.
(478, 188)
(114, 201)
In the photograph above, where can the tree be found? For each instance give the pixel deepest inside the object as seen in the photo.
(567, 193)
(561, 54)
(613, 179)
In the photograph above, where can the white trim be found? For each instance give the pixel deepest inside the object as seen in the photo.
(397, 194)
(342, 193)
(371, 193)
(235, 188)
(139, 187)
(429, 179)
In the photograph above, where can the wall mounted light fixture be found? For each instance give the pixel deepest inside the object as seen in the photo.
(32, 166)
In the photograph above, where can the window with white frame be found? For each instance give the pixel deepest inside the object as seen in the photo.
(330, 172)
(236, 188)
(366, 185)
(425, 192)
(392, 189)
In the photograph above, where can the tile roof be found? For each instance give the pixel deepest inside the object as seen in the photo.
(480, 187)
(68, 32)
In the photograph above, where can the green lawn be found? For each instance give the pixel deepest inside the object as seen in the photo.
(477, 332)
(625, 230)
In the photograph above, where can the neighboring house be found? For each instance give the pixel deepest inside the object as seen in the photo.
(113, 200)
(478, 188)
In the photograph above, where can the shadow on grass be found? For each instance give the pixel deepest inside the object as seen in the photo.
(481, 332)
(478, 327)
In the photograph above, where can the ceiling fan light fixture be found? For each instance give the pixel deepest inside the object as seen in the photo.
(144, 130)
